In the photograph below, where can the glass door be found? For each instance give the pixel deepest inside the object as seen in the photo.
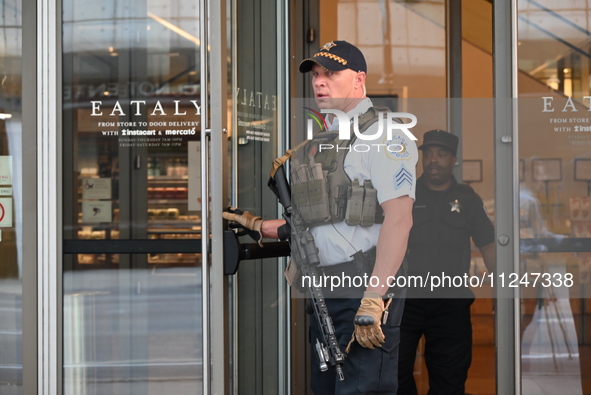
(554, 190)
(12, 201)
(432, 59)
(259, 133)
(138, 126)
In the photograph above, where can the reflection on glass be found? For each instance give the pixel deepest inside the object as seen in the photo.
(11, 331)
(132, 331)
(402, 59)
(131, 116)
(554, 44)
(554, 63)
(555, 310)
(131, 120)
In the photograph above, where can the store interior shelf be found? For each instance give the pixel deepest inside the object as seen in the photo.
(168, 201)
(173, 223)
(165, 178)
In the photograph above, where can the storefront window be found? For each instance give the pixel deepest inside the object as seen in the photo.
(131, 110)
(11, 198)
(132, 172)
(555, 179)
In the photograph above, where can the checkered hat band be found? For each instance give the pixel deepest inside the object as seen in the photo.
(332, 56)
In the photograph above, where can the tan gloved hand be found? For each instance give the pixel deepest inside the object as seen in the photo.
(245, 223)
(368, 321)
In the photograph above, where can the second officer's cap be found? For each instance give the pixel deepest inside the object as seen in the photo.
(440, 138)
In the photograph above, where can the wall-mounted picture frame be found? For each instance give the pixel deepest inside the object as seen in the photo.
(549, 169)
(472, 170)
(582, 169)
(521, 170)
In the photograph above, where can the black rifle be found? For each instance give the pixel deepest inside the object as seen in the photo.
(305, 255)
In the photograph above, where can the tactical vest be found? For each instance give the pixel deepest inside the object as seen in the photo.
(321, 189)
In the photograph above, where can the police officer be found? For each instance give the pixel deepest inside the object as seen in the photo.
(446, 215)
(385, 175)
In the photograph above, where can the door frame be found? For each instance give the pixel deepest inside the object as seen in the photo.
(47, 62)
(43, 309)
(32, 161)
(214, 183)
(507, 323)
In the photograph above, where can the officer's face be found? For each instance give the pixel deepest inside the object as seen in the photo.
(336, 90)
(438, 163)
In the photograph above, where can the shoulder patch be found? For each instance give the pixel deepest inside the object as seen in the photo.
(402, 177)
(397, 147)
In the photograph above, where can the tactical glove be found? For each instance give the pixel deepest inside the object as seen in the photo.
(245, 223)
(368, 321)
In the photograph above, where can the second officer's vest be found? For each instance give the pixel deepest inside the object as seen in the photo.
(322, 191)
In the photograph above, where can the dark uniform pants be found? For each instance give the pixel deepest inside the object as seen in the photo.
(448, 344)
(366, 371)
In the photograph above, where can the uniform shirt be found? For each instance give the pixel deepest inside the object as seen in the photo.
(392, 175)
(443, 223)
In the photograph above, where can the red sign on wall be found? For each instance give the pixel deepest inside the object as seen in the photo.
(5, 212)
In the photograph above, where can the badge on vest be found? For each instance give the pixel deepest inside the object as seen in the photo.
(455, 206)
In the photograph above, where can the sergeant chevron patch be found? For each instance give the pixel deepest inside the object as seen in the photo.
(403, 176)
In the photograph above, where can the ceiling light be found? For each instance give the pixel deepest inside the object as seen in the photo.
(175, 29)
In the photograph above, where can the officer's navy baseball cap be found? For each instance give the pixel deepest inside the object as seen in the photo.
(336, 56)
(440, 138)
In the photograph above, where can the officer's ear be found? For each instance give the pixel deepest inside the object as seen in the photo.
(359, 79)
